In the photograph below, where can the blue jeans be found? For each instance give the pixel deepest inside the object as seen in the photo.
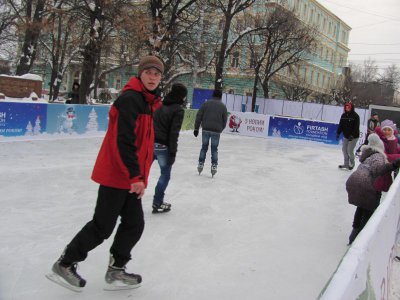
(206, 136)
(161, 154)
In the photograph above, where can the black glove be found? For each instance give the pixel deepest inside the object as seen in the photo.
(350, 138)
(195, 132)
(337, 136)
(396, 163)
(171, 159)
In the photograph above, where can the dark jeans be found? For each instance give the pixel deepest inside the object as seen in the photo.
(111, 203)
(362, 215)
(161, 154)
(206, 137)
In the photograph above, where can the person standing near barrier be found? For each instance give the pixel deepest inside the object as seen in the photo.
(372, 124)
(360, 185)
(349, 125)
(122, 168)
(212, 116)
(167, 124)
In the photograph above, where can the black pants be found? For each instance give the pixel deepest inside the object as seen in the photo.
(111, 203)
(362, 215)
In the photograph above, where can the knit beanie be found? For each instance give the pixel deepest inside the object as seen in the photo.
(150, 61)
(178, 92)
(388, 124)
(375, 142)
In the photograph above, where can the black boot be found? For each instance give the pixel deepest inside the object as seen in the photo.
(353, 235)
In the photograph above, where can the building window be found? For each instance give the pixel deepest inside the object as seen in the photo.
(311, 16)
(221, 24)
(323, 81)
(253, 59)
(343, 36)
(318, 75)
(118, 83)
(102, 82)
(235, 60)
(76, 76)
(312, 77)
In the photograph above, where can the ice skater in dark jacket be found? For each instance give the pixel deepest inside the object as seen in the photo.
(349, 125)
(360, 185)
(212, 117)
(122, 168)
(167, 124)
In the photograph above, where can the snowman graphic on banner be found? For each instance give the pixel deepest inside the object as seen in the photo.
(67, 123)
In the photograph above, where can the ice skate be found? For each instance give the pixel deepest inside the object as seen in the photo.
(200, 167)
(344, 167)
(117, 279)
(67, 277)
(213, 170)
(161, 208)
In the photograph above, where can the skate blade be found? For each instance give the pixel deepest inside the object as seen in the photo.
(60, 281)
(161, 212)
(119, 287)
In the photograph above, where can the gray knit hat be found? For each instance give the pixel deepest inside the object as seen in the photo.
(150, 61)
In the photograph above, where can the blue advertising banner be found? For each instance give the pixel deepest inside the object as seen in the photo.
(200, 96)
(303, 129)
(77, 119)
(18, 119)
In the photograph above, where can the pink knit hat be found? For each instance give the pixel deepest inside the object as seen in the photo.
(388, 124)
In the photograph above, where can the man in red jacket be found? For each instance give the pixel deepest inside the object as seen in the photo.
(122, 168)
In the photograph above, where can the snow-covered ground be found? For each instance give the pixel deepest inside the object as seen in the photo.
(272, 224)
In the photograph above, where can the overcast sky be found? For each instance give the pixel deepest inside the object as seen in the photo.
(375, 29)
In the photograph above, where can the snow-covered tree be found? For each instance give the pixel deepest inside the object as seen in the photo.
(29, 129)
(37, 128)
(92, 124)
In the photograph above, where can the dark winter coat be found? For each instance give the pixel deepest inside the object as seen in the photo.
(212, 116)
(167, 123)
(126, 155)
(74, 94)
(359, 185)
(372, 124)
(349, 124)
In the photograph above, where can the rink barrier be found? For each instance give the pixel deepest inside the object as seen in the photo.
(364, 272)
(64, 120)
(258, 125)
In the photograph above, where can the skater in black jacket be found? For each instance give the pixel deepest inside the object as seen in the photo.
(349, 125)
(167, 124)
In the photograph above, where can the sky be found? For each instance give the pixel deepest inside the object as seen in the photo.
(272, 224)
(375, 29)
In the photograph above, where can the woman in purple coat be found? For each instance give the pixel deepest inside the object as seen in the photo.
(360, 184)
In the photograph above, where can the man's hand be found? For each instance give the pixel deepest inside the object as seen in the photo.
(137, 188)
(195, 132)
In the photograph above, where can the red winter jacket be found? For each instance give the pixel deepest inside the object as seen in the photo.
(126, 153)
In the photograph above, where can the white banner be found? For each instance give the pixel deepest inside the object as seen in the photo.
(248, 124)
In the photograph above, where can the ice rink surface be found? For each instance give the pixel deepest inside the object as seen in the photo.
(272, 224)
